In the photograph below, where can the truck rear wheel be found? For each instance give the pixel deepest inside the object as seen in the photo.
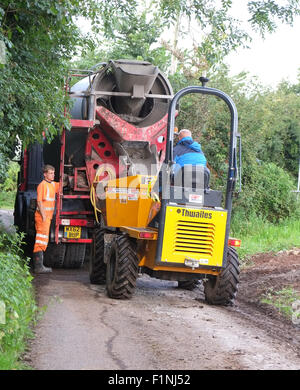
(54, 255)
(75, 253)
(97, 268)
(222, 289)
(122, 269)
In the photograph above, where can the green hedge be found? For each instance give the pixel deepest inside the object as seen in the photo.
(268, 193)
(16, 293)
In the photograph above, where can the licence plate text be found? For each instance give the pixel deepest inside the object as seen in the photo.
(72, 232)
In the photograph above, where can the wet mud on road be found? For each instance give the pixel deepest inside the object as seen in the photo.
(162, 327)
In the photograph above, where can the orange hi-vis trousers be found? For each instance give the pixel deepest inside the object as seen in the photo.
(42, 232)
(46, 194)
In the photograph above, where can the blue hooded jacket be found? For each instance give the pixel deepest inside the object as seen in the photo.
(188, 151)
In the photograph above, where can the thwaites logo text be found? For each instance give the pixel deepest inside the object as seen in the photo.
(194, 214)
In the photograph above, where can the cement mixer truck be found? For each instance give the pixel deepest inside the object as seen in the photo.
(120, 205)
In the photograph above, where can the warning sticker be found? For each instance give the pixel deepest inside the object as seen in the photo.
(133, 191)
(133, 196)
(123, 199)
(196, 198)
(116, 190)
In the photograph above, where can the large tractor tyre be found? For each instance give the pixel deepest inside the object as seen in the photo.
(54, 255)
(188, 284)
(97, 267)
(222, 289)
(122, 269)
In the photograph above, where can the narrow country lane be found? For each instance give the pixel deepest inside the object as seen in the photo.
(161, 328)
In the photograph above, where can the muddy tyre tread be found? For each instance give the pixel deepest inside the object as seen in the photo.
(121, 284)
(223, 289)
(54, 255)
(75, 254)
(97, 268)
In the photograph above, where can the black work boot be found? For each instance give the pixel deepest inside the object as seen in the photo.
(38, 266)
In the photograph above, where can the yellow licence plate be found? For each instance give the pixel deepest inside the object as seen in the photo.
(72, 232)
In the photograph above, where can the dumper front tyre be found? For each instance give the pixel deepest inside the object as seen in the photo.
(222, 289)
(97, 267)
(121, 269)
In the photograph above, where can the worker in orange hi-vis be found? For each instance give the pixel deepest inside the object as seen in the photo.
(46, 192)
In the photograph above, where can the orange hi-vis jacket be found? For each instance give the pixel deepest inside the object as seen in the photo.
(46, 194)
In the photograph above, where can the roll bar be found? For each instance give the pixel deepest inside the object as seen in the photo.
(232, 159)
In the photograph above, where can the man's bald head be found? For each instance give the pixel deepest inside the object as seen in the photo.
(184, 133)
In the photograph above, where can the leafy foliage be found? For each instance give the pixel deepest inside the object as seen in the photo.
(269, 193)
(3, 166)
(7, 200)
(282, 129)
(268, 120)
(264, 14)
(221, 32)
(41, 36)
(269, 125)
(16, 293)
(134, 36)
(10, 181)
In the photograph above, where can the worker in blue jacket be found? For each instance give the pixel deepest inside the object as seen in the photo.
(188, 151)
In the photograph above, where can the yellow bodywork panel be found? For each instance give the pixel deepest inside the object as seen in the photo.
(129, 201)
(194, 234)
(148, 260)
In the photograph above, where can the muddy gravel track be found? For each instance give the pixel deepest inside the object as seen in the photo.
(163, 327)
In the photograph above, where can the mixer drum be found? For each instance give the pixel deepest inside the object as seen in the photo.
(139, 78)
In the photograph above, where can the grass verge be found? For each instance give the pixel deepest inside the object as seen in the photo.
(7, 200)
(286, 301)
(260, 236)
(18, 309)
